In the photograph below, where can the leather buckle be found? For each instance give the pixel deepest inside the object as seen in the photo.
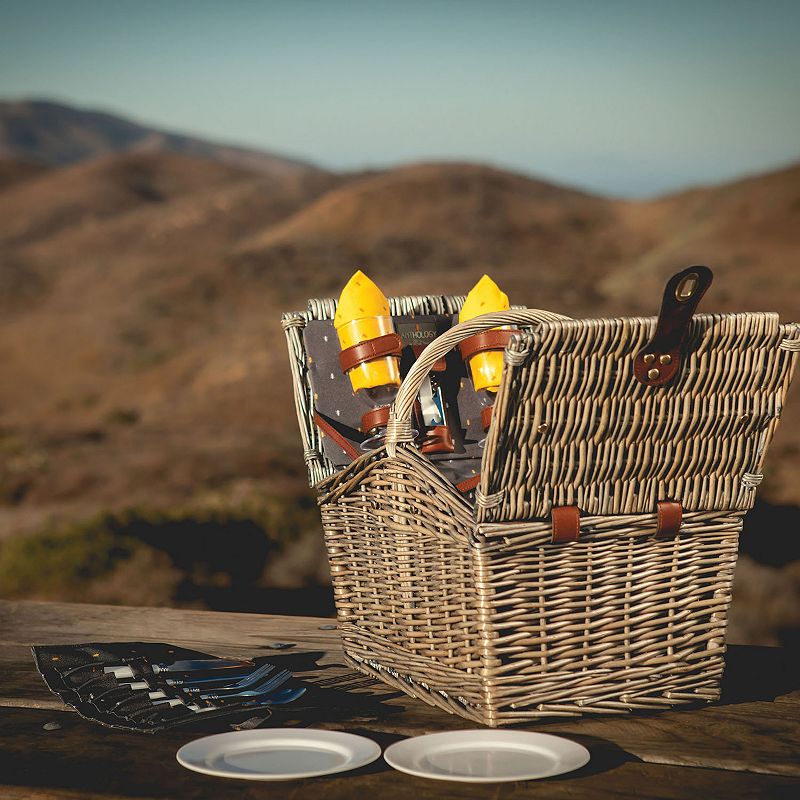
(659, 361)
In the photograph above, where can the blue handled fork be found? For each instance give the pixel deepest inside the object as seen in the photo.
(262, 689)
(197, 684)
(264, 694)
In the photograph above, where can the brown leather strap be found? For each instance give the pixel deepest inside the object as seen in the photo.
(375, 418)
(494, 339)
(670, 516)
(486, 417)
(566, 524)
(659, 361)
(388, 345)
(379, 417)
(337, 437)
(438, 439)
(439, 365)
(468, 484)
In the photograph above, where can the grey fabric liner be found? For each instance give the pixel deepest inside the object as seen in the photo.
(335, 400)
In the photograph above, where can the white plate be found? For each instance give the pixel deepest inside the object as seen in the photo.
(277, 755)
(486, 756)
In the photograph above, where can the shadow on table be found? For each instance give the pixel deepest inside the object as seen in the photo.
(605, 756)
(759, 673)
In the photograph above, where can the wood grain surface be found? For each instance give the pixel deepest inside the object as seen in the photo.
(746, 745)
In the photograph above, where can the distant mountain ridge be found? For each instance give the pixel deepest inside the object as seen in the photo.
(146, 284)
(143, 275)
(56, 134)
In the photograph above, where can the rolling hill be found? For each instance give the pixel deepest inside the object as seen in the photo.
(149, 286)
(142, 357)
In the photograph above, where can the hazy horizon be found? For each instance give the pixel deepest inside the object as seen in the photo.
(624, 98)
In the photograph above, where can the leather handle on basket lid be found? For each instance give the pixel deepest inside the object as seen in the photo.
(659, 361)
(399, 429)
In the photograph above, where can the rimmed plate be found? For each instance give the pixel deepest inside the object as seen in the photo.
(277, 755)
(486, 756)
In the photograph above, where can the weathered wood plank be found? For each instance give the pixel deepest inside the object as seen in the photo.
(82, 760)
(746, 732)
(229, 633)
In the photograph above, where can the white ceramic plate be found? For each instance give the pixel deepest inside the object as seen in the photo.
(277, 755)
(486, 756)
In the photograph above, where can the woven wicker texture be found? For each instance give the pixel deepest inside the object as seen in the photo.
(467, 603)
(574, 427)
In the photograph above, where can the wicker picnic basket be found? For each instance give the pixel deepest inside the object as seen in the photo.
(476, 603)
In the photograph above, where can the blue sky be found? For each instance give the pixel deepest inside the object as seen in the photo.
(620, 96)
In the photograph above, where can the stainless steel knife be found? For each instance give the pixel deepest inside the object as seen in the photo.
(190, 665)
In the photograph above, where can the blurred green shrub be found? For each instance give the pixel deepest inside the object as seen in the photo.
(157, 556)
(52, 562)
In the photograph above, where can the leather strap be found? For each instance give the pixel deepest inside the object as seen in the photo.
(486, 417)
(566, 524)
(670, 516)
(468, 484)
(659, 361)
(375, 418)
(389, 344)
(438, 366)
(438, 439)
(379, 417)
(337, 437)
(494, 339)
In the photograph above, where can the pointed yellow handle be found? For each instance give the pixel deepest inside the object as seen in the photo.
(362, 314)
(485, 298)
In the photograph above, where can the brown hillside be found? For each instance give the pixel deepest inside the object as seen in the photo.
(748, 230)
(92, 191)
(136, 362)
(145, 360)
(442, 225)
(17, 170)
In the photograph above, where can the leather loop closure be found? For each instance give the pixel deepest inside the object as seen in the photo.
(375, 418)
(566, 524)
(388, 345)
(486, 417)
(438, 366)
(670, 516)
(659, 361)
(379, 417)
(494, 339)
(468, 484)
(438, 439)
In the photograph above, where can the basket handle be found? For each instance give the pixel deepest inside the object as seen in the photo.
(399, 427)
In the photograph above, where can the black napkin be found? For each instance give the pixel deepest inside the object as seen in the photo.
(75, 673)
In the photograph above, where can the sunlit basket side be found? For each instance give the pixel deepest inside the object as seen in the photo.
(465, 602)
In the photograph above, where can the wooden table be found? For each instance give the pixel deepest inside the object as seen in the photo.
(747, 745)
